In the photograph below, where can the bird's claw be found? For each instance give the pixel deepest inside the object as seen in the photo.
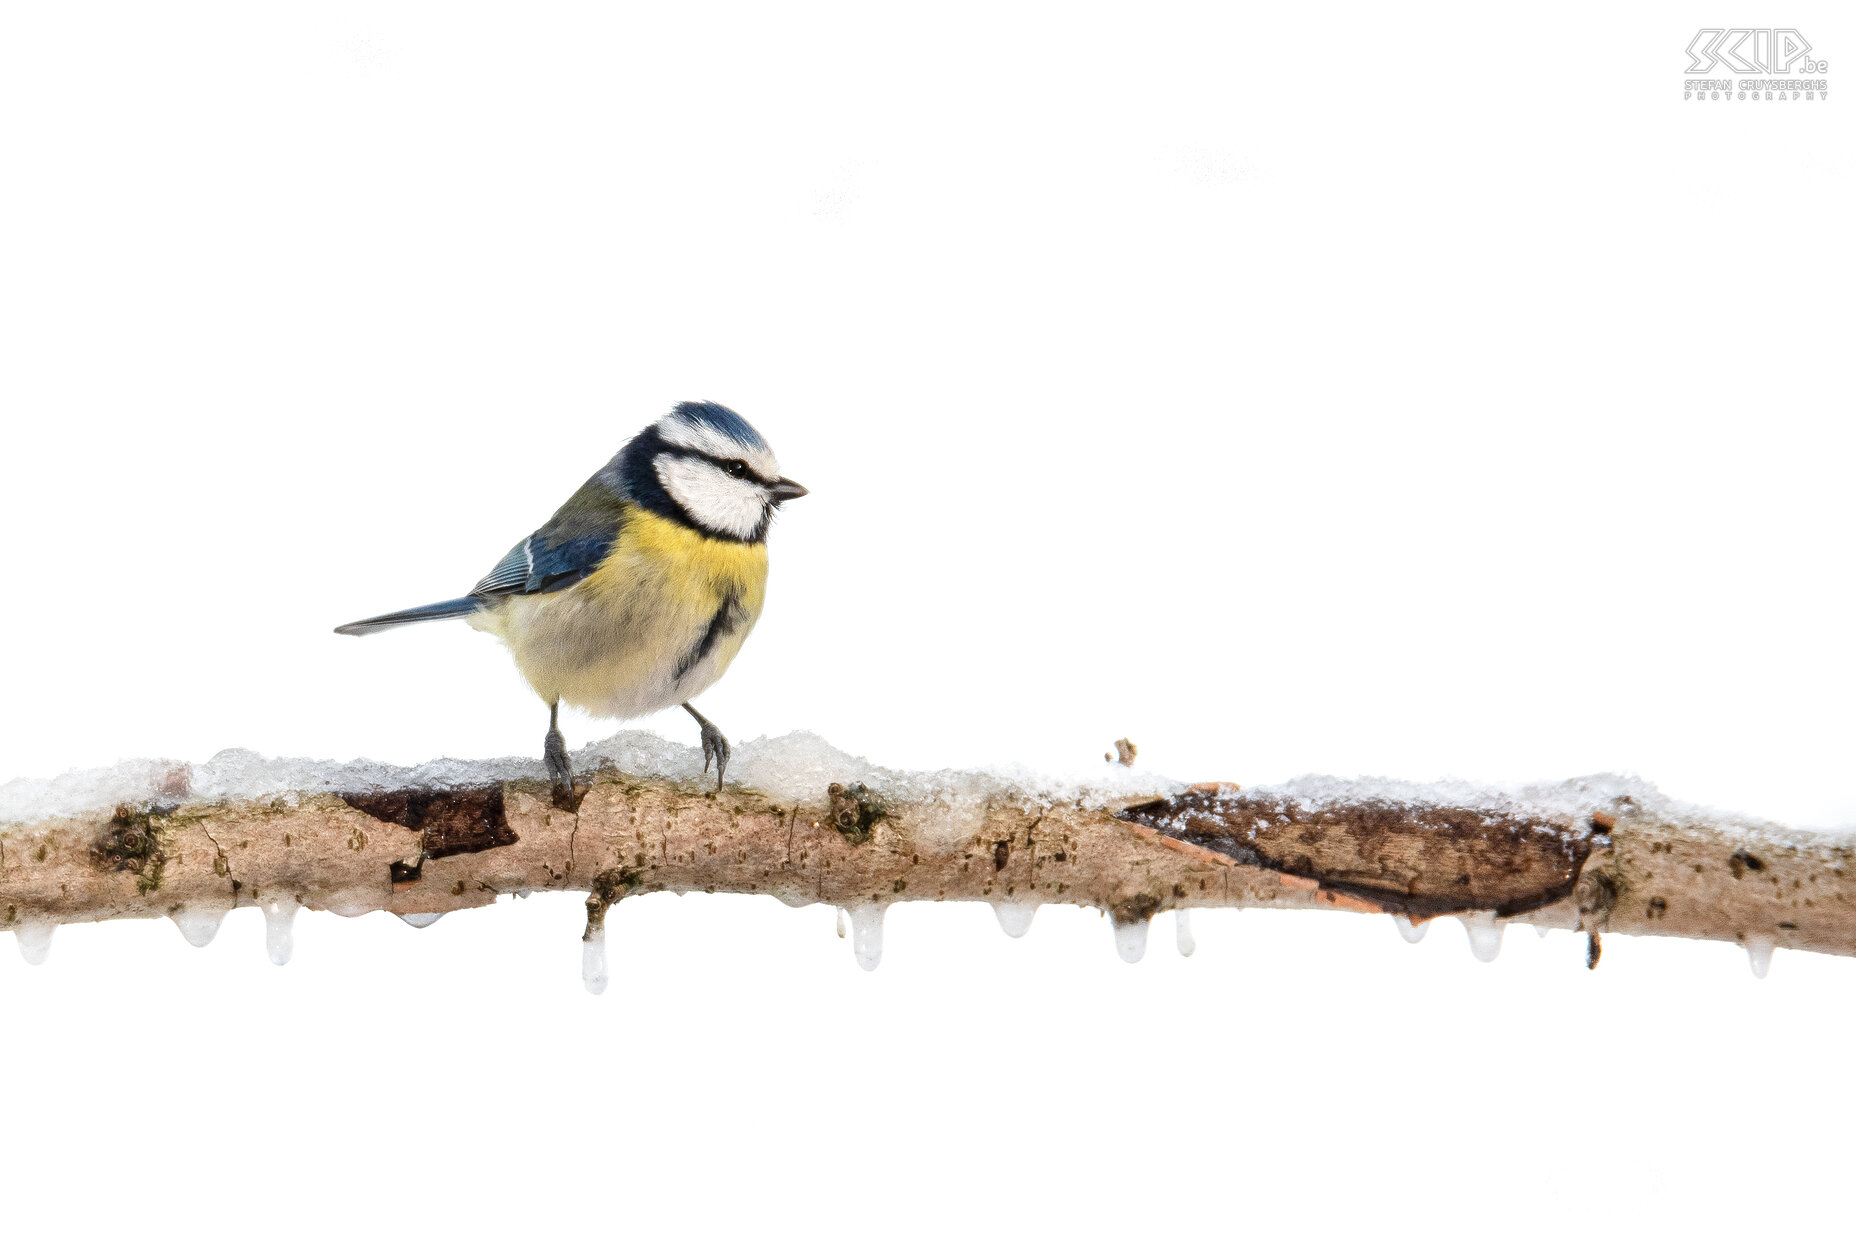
(714, 747)
(560, 769)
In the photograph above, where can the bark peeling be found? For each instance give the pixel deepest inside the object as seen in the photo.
(1421, 860)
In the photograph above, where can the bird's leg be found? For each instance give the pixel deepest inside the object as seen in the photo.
(714, 744)
(554, 753)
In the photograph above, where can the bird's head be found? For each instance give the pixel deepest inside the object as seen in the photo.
(703, 465)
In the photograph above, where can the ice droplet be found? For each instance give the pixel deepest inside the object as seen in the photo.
(422, 919)
(34, 940)
(1541, 930)
(844, 922)
(198, 924)
(279, 914)
(1131, 938)
(1015, 917)
(1485, 934)
(1182, 933)
(1759, 956)
(867, 934)
(1412, 932)
(593, 961)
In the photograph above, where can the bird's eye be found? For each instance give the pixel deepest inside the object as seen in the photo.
(735, 468)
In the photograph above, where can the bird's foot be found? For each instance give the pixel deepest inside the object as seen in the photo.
(714, 746)
(560, 770)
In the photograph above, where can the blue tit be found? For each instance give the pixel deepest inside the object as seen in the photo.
(641, 589)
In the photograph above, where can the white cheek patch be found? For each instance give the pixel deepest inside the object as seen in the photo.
(715, 500)
(707, 439)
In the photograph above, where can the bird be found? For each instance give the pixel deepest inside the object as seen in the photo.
(638, 593)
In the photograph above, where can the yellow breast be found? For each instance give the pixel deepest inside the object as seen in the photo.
(686, 564)
(656, 623)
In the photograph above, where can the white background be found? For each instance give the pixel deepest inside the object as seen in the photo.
(1297, 389)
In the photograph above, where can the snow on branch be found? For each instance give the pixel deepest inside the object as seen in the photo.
(810, 824)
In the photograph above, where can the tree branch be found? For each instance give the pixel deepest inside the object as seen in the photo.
(1603, 855)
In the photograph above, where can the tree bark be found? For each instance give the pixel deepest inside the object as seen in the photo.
(1626, 867)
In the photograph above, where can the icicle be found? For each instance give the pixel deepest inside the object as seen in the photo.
(593, 961)
(350, 906)
(1131, 938)
(1015, 917)
(34, 940)
(198, 924)
(1541, 930)
(422, 919)
(867, 934)
(1758, 954)
(279, 913)
(1412, 932)
(844, 922)
(522, 893)
(1182, 933)
(1485, 934)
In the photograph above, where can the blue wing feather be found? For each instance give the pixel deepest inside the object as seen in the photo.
(566, 564)
(510, 575)
(536, 566)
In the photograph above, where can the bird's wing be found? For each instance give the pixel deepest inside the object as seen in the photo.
(559, 554)
(536, 565)
(511, 574)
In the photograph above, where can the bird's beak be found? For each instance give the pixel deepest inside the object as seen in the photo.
(783, 489)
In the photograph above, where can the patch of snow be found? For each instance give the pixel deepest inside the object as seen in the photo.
(87, 792)
(1556, 804)
(795, 767)
(235, 774)
(798, 767)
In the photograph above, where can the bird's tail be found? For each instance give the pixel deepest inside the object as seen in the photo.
(457, 607)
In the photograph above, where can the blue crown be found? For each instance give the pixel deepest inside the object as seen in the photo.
(725, 421)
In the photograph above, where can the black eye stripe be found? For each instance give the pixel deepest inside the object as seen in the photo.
(727, 466)
(734, 468)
